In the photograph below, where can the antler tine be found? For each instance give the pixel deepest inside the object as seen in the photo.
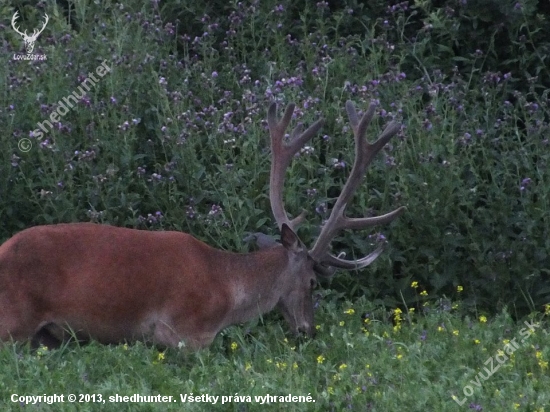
(364, 154)
(282, 154)
(13, 19)
(353, 264)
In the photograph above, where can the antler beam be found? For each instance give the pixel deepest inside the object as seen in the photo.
(364, 154)
(282, 153)
(13, 20)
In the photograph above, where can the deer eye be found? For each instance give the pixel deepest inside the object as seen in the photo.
(313, 283)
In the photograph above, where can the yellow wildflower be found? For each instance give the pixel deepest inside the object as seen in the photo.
(414, 284)
(320, 359)
(42, 350)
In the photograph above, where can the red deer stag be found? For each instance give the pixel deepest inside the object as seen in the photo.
(115, 284)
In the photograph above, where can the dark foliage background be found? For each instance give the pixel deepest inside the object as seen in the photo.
(174, 137)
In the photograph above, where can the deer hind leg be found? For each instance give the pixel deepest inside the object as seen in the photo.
(45, 336)
(18, 322)
(53, 336)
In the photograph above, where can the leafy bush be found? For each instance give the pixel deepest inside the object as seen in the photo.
(174, 136)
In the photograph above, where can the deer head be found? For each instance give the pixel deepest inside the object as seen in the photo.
(317, 262)
(29, 40)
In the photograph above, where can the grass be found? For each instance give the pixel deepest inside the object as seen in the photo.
(174, 137)
(362, 358)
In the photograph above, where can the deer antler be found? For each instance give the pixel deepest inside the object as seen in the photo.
(364, 153)
(283, 153)
(35, 32)
(13, 19)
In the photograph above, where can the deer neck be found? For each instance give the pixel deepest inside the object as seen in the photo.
(255, 282)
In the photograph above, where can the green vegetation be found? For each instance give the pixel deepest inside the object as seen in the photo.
(362, 359)
(174, 137)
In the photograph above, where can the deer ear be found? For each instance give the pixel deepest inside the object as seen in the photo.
(290, 240)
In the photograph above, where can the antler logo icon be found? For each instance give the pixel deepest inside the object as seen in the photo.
(29, 40)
